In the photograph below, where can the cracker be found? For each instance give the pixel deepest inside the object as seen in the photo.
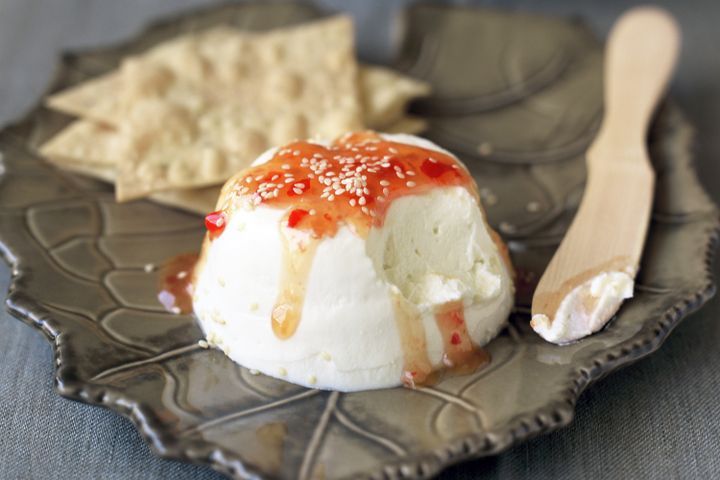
(84, 141)
(105, 173)
(180, 134)
(199, 200)
(407, 124)
(194, 110)
(87, 148)
(386, 94)
(82, 99)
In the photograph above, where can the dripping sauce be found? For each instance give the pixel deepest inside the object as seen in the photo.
(460, 355)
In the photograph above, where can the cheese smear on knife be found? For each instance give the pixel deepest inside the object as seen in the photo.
(360, 264)
(586, 309)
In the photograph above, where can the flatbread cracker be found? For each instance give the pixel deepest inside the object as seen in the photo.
(194, 110)
(92, 142)
(105, 173)
(386, 94)
(181, 135)
(82, 99)
(199, 200)
(407, 124)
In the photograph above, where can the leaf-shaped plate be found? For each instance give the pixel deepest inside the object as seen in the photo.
(519, 109)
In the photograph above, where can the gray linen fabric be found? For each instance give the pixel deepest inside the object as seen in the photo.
(656, 419)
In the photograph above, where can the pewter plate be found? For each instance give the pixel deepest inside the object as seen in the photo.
(518, 98)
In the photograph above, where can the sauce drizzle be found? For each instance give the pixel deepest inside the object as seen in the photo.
(296, 260)
(461, 356)
(416, 364)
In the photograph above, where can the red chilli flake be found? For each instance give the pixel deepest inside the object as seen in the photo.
(215, 223)
(296, 217)
(455, 338)
(435, 169)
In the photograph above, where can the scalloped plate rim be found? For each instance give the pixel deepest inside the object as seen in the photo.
(560, 413)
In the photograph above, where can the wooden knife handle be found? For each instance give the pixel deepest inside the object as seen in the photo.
(640, 57)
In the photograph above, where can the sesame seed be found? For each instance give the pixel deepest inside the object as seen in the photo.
(254, 372)
(285, 166)
(384, 183)
(149, 267)
(312, 211)
(203, 344)
(410, 184)
(362, 201)
(352, 202)
(297, 191)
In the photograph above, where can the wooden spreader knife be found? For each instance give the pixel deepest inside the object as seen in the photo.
(594, 268)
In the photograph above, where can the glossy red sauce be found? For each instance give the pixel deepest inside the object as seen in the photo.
(353, 181)
(176, 287)
(461, 356)
(215, 223)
